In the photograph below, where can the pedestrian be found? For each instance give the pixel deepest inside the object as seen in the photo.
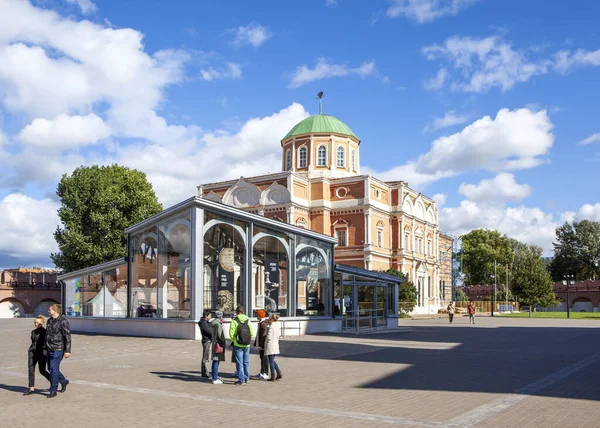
(57, 346)
(241, 332)
(259, 342)
(207, 341)
(218, 346)
(35, 353)
(471, 311)
(451, 311)
(272, 346)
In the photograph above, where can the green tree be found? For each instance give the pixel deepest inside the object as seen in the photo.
(407, 292)
(577, 250)
(98, 204)
(531, 281)
(481, 248)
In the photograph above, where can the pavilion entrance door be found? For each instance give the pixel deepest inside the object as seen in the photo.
(364, 305)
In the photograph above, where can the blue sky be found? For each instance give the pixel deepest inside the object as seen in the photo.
(490, 106)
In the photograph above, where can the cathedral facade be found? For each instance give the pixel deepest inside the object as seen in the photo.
(378, 224)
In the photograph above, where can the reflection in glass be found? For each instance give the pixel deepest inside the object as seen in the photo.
(144, 251)
(224, 253)
(313, 277)
(270, 270)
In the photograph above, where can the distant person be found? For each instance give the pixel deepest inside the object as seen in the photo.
(241, 332)
(218, 346)
(272, 346)
(451, 312)
(321, 308)
(471, 311)
(207, 341)
(35, 353)
(57, 346)
(259, 342)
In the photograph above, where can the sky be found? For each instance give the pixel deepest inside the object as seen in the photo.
(490, 107)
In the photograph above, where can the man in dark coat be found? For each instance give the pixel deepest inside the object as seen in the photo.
(57, 346)
(207, 337)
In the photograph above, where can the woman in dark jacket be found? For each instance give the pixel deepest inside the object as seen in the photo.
(218, 344)
(35, 353)
(260, 344)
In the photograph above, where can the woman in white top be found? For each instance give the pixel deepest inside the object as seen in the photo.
(272, 346)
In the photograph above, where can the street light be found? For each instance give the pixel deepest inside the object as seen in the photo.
(568, 280)
(495, 282)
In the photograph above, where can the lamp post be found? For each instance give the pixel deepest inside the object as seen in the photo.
(494, 292)
(568, 280)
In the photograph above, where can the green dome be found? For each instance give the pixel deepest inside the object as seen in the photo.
(320, 124)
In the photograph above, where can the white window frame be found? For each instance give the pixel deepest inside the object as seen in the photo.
(340, 151)
(322, 161)
(301, 150)
(353, 160)
(288, 160)
(339, 233)
(380, 237)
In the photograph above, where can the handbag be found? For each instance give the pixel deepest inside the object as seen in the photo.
(218, 349)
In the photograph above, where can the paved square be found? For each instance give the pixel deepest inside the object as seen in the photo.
(498, 373)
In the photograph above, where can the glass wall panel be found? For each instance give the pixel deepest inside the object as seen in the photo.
(174, 273)
(143, 254)
(105, 293)
(313, 277)
(224, 263)
(73, 297)
(92, 298)
(270, 270)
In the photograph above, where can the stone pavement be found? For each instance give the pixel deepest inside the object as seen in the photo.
(499, 373)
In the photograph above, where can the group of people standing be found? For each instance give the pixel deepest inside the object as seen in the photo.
(241, 332)
(50, 343)
(470, 310)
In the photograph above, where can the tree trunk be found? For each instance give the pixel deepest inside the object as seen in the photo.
(529, 311)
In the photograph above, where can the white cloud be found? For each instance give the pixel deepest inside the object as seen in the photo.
(65, 131)
(594, 138)
(513, 140)
(588, 212)
(451, 118)
(331, 2)
(436, 83)
(501, 188)
(27, 226)
(232, 70)
(440, 199)
(423, 11)
(325, 70)
(86, 6)
(252, 34)
(480, 64)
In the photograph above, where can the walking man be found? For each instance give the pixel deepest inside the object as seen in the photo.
(471, 310)
(241, 332)
(207, 337)
(451, 312)
(57, 346)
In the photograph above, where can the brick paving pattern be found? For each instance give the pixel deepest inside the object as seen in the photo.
(498, 373)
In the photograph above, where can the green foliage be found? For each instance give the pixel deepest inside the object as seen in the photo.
(531, 282)
(98, 204)
(577, 251)
(461, 296)
(407, 292)
(480, 248)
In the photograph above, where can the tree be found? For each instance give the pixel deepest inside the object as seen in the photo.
(407, 292)
(480, 249)
(98, 204)
(531, 282)
(577, 250)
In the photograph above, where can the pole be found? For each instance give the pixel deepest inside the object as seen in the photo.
(506, 288)
(568, 300)
(494, 295)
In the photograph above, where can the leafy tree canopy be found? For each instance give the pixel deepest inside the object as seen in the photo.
(480, 249)
(531, 281)
(407, 292)
(577, 251)
(98, 204)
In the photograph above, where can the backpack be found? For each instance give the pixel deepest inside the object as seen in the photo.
(243, 336)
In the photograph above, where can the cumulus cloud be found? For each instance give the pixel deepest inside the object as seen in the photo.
(480, 64)
(423, 11)
(86, 6)
(231, 70)
(501, 188)
(252, 34)
(451, 118)
(65, 131)
(440, 199)
(588, 212)
(324, 70)
(594, 138)
(33, 238)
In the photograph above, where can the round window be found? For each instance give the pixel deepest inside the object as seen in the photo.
(341, 192)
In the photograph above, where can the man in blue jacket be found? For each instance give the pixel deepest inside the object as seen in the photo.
(241, 332)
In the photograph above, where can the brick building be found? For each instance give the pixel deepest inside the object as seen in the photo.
(28, 291)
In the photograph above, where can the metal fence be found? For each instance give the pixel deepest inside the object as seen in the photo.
(485, 307)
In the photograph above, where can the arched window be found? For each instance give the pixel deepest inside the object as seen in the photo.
(353, 160)
(288, 160)
(302, 157)
(341, 157)
(322, 156)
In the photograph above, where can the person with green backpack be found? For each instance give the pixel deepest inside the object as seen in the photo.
(241, 332)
